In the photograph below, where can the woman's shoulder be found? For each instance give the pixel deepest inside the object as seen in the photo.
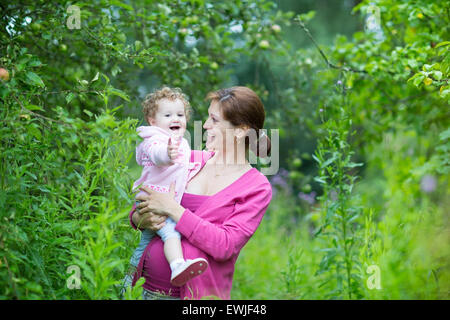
(254, 179)
(251, 183)
(252, 187)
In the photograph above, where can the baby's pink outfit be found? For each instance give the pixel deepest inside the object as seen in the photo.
(157, 171)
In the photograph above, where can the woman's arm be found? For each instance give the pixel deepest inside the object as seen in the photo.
(219, 241)
(226, 240)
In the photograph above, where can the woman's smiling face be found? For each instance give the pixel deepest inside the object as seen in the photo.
(216, 128)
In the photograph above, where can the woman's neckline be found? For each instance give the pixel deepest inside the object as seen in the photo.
(227, 187)
(197, 195)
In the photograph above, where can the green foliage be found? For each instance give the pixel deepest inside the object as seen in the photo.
(183, 43)
(65, 189)
(373, 104)
(378, 98)
(340, 227)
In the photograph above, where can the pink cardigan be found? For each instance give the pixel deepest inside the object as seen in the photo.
(157, 171)
(219, 229)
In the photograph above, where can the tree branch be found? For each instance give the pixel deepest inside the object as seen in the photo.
(327, 61)
(39, 115)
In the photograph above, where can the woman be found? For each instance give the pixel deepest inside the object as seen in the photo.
(223, 204)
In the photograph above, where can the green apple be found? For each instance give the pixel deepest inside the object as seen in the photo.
(306, 188)
(36, 26)
(297, 162)
(276, 28)
(214, 66)
(294, 175)
(264, 44)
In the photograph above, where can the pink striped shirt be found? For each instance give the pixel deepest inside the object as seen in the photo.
(218, 230)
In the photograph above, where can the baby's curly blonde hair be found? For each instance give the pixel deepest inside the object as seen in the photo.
(150, 103)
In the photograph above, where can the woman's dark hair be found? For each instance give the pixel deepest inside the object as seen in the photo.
(241, 106)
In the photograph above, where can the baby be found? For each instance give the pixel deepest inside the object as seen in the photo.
(164, 155)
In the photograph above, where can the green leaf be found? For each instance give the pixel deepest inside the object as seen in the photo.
(69, 97)
(43, 189)
(442, 44)
(96, 77)
(317, 159)
(33, 176)
(354, 164)
(320, 180)
(122, 192)
(34, 80)
(35, 63)
(105, 77)
(35, 132)
(119, 93)
(444, 135)
(330, 160)
(414, 76)
(318, 231)
(121, 4)
(427, 67)
(412, 63)
(417, 81)
(34, 107)
(437, 75)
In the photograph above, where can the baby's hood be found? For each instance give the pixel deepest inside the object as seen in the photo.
(149, 131)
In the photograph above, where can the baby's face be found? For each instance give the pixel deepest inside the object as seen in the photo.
(170, 116)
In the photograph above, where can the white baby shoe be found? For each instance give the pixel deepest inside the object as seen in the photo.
(187, 270)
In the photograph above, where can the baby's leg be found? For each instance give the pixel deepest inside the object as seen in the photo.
(146, 237)
(182, 270)
(172, 242)
(172, 249)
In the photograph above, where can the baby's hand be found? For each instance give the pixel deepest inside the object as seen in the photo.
(172, 149)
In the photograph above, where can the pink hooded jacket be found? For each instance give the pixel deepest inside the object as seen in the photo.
(218, 230)
(157, 172)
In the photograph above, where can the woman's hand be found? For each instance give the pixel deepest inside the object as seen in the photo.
(159, 203)
(148, 220)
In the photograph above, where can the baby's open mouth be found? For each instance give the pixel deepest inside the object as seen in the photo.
(174, 127)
